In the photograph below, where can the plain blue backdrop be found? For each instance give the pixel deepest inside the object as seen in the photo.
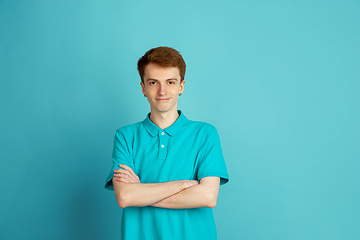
(279, 79)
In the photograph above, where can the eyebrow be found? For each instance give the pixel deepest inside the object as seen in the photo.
(152, 79)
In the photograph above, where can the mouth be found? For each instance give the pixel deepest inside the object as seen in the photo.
(162, 99)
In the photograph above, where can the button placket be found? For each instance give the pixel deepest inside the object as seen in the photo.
(162, 145)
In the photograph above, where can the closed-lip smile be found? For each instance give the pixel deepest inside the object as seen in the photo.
(162, 99)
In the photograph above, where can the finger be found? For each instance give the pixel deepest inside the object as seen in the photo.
(129, 177)
(121, 179)
(126, 176)
(121, 170)
(120, 175)
(127, 168)
(124, 172)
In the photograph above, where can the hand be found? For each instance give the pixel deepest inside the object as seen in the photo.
(125, 175)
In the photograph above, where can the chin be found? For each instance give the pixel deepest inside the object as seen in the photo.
(163, 110)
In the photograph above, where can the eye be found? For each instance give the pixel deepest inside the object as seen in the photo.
(171, 82)
(152, 83)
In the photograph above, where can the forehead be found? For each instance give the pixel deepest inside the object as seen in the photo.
(155, 71)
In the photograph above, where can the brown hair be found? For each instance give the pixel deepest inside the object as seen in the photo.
(164, 57)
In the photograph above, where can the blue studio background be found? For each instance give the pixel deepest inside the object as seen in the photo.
(279, 80)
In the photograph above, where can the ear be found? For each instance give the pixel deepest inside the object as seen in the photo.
(143, 87)
(182, 86)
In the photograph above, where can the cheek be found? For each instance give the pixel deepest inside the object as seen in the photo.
(176, 97)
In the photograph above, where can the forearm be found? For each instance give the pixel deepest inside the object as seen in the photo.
(203, 195)
(144, 194)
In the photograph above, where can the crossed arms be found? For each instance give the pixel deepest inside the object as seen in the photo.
(129, 191)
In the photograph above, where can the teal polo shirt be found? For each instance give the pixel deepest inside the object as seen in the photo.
(187, 150)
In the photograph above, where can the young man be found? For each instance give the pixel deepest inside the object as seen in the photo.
(166, 169)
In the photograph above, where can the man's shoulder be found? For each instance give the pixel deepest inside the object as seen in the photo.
(129, 129)
(201, 126)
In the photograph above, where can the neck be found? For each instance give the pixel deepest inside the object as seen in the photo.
(163, 120)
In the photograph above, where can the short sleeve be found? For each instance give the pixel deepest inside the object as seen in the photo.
(121, 155)
(212, 163)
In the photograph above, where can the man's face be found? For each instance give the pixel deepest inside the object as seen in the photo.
(162, 87)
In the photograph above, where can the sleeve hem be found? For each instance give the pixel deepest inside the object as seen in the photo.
(108, 184)
(224, 178)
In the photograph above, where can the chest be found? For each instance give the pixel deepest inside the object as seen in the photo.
(164, 158)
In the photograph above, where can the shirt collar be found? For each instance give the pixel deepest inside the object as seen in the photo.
(153, 130)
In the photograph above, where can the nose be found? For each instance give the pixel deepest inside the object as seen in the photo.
(162, 90)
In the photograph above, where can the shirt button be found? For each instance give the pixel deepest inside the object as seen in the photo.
(162, 146)
(162, 133)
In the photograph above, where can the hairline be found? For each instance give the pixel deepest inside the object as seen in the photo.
(143, 81)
